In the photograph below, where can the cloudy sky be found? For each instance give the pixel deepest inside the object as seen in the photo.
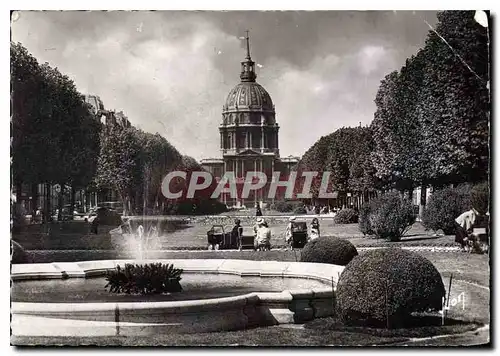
(170, 72)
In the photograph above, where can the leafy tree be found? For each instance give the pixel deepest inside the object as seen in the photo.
(431, 123)
(344, 153)
(118, 165)
(454, 104)
(54, 136)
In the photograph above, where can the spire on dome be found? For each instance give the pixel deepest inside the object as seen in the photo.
(248, 46)
(248, 66)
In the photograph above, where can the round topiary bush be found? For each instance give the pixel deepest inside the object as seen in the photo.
(384, 286)
(346, 216)
(328, 249)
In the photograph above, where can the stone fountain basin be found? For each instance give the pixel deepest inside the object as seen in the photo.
(184, 316)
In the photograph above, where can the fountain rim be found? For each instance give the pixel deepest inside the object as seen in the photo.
(227, 313)
(325, 273)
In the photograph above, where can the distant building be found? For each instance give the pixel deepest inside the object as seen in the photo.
(108, 118)
(95, 102)
(249, 135)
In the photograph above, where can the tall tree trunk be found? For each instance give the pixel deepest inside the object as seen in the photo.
(60, 202)
(47, 213)
(72, 202)
(125, 205)
(17, 217)
(34, 200)
(423, 200)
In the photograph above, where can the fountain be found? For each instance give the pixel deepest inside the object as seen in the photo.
(68, 299)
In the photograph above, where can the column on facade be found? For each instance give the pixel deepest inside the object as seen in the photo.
(277, 144)
(242, 164)
(255, 192)
(262, 138)
(223, 173)
(261, 169)
(272, 174)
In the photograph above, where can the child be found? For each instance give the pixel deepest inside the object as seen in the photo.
(314, 229)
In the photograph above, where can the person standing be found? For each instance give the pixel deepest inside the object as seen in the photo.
(237, 232)
(258, 212)
(289, 230)
(263, 235)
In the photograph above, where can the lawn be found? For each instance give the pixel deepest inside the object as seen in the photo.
(75, 235)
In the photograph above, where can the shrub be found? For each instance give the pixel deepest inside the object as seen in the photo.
(19, 254)
(153, 278)
(444, 206)
(287, 206)
(328, 249)
(408, 281)
(480, 197)
(390, 216)
(346, 216)
(300, 210)
(364, 220)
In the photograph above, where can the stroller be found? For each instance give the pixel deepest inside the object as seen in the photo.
(299, 235)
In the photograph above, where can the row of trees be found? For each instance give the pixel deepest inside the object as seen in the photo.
(133, 163)
(432, 120)
(346, 154)
(55, 138)
(58, 140)
(431, 126)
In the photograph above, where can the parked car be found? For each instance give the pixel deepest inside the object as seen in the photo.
(105, 216)
(114, 205)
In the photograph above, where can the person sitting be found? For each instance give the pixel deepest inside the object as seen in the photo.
(314, 229)
(263, 235)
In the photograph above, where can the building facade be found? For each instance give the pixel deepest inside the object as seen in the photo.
(248, 136)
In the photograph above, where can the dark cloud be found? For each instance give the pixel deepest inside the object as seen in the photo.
(171, 71)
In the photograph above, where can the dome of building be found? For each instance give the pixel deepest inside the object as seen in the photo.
(249, 95)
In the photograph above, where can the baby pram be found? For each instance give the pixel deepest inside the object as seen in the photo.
(299, 235)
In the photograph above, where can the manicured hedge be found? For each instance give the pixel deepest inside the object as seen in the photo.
(406, 280)
(328, 249)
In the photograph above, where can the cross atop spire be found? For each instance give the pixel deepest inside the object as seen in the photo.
(248, 66)
(248, 45)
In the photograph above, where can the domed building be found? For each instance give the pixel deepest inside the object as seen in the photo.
(248, 134)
